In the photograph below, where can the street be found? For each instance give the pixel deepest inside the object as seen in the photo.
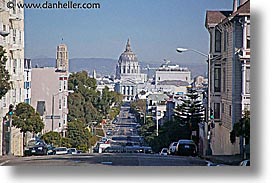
(104, 160)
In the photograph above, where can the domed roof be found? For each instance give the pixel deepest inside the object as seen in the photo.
(128, 55)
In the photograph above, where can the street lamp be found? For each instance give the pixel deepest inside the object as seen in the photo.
(209, 57)
(67, 91)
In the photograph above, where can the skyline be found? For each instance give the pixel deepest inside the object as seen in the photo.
(155, 29)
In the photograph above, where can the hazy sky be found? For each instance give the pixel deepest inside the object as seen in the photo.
(155, 29)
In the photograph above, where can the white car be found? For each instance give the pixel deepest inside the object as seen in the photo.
(60, 150)
(164, 152)
(72, 151)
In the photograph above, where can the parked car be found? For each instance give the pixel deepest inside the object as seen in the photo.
(186, 148)
(245, 163)
(51, 150)
(36, 147)
(72, 151)
(61, 150)
(164, 151)
(172, 148)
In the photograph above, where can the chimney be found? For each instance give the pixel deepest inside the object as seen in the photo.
(235, 5)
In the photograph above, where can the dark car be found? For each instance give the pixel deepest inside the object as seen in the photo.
(51, 150)
(186, 148)
(36, 147)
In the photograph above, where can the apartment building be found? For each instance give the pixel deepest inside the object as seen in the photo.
(230, 72)
(12, 40)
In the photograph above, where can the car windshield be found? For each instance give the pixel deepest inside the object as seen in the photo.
(175, 144)
(164, 150)
(34, 143)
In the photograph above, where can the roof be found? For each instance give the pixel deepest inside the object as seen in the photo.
(243, 9)
(173, 82)
(215, 17)
(157, 97)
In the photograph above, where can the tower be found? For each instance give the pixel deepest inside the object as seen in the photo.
(62, 60)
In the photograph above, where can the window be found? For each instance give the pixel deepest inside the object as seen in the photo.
(60, 85)
(217, 41)
(230, 110)
(65, 85)
(217, 110)
(247, 80)
(59, 104)
(217, 80)
(14, 36)
(222, 107)
(64, 102)
(224, 40)
(224, 79)
(14, 66)
(27, 85)
(248, 36)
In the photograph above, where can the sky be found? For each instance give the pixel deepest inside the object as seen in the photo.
(155, 28)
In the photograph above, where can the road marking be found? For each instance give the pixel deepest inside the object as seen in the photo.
(5, 162)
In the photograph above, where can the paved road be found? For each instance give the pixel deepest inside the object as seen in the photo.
(104, 160)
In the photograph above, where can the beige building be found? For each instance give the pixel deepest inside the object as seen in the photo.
(50, 92)
(12, 40)
(230, 72)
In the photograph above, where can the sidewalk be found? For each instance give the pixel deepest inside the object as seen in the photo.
(5, 158)
(224, 159)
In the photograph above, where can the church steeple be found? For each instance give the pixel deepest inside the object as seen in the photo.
(128, 46)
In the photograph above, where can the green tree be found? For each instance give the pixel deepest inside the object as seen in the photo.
(190, 114)
(5, 84)
(79, 135)
(52, 138)
(26, 119)
(242, 128)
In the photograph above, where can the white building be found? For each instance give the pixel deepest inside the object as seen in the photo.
(50, 93)
(128, 74)
(12, 40)
(27, 81)
(169, 72)
(156, 107)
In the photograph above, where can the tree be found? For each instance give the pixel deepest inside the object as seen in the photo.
(242, 128)
(191, 113)
(52, 138)
(5, 84)
(78, 135)
(26, 119)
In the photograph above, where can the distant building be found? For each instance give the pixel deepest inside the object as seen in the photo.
(230, 72)
(128, 74)
(169, 72)
(50, 93)
(156, 107)
(27, 81)
(103, 82)
(62, 58)
(169, 78)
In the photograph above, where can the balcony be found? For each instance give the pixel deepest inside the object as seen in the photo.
(16, 16)
(16, 47)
